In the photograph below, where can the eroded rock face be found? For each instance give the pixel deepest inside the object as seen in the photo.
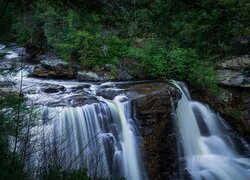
(54, 68)
(231, 72)
(153, 111)
(234, 102)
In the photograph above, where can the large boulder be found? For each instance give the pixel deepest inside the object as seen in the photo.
(52, 67)
(53, 89)
(231, 72)
(153, 111)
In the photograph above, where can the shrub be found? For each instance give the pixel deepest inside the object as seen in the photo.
(182, 64)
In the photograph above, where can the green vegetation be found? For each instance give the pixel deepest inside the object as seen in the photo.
(11, 165)
(179, 40)
(172, 39)
(16, 120)
(64, 175)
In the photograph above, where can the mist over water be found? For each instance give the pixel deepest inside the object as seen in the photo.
(210, 149)
(100, 137)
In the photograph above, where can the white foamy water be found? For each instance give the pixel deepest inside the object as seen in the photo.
(209, 150)
(99, 137)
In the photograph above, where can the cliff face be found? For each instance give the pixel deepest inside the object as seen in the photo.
(159, 146)
(233, 104)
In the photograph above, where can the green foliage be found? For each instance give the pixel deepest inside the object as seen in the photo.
(5, 22)
(188, 36)
(10, 166)
(76, 34)
(104, 50)
(153, 57)
(52, 173)
(175, 63)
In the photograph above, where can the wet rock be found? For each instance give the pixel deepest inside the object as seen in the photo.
(54, 68)
(153, 111)
(233, 104)
(78, 88)
(53, 89)
(108, 94)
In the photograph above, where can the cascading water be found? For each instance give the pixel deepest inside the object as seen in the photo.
(209, 150)
(99, 137)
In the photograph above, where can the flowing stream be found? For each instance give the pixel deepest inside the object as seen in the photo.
(210, 148)
(99, 136)
(79, 129)
(82, 129)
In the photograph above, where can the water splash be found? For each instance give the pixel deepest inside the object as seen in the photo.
(99, 137)
(209, 149)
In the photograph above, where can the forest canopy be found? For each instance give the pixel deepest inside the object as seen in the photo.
(153, 33)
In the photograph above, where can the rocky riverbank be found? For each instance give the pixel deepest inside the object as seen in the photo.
(65, 84)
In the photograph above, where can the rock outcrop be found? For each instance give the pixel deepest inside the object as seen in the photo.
(159, 145)
(234, 102)
(232, 72)
(53, 67)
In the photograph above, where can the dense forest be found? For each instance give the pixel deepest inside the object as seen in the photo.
(173, 39)
(156, 39)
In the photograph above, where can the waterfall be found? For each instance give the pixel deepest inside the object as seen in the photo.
(210, 150)
(100, 137)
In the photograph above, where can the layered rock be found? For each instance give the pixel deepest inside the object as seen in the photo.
(233, 103)
(231, 72)
(153, 111)
(53, 67)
